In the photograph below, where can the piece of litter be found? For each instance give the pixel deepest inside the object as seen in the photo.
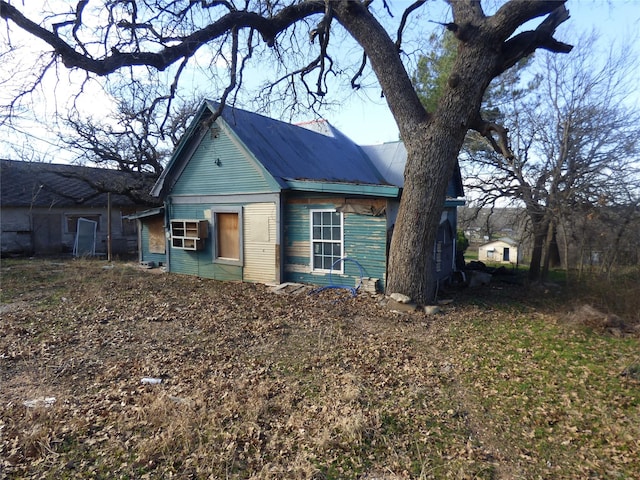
(37, 402)
(151, 381)
(178, 399)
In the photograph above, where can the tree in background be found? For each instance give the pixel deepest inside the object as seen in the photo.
(434, 68)
(604, 237)
(135, 36)
(575, 149)
(139, 136)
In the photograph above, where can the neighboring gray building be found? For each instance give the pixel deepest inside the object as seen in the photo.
(40, 204)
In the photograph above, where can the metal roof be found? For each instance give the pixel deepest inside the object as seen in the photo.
(152, 212)
(507, 240)
(38, 184)
(298, 152)
(391, 158)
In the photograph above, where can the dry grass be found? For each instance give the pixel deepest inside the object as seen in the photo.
(616, 293)
(258, 385)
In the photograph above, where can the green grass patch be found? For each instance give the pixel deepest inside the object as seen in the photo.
(556, 393)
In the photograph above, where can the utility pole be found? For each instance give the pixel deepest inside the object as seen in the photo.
(109, 226)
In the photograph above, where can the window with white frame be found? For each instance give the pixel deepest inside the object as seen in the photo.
(326, 240)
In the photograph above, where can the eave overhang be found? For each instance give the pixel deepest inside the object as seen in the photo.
(144, 214)
(388, 191)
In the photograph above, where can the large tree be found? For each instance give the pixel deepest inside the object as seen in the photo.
(162, 34)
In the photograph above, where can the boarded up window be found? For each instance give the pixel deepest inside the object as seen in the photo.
(228, 235)
(156, 235)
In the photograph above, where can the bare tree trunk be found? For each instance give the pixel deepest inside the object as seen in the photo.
(428, 170)
(540, 227)
(427, 174)
(551, 253)
(581, 265)
(411, 270)
(565, 248)
(536, 257)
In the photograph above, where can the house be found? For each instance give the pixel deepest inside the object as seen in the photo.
(503, 250)
(253, 199)
(42, 205)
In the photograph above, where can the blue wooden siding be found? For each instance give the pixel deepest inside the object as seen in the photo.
(199, 262)
(365, 239)
(235, 173)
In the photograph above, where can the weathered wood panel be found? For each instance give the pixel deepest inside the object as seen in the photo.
(153, 241)
(260, 248)
(154, 228)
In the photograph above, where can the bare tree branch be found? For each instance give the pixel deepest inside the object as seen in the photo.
(525, 43)
(403, 21)
(487, 129)
(269, 28)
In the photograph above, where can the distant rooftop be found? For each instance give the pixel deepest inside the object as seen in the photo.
(39, 184)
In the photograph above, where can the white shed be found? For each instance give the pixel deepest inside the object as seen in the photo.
(502, 250)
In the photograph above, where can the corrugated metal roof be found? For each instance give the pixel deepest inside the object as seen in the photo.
(391, 158)
(293, 152)
(37, 184)
(145, 214)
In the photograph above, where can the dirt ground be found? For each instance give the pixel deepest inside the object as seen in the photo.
(110, 371)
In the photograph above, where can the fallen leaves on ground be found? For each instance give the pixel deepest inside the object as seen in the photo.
(250, 384)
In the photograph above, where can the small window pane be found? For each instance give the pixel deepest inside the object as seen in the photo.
(326, 233)
(316, 218)
(335, 217)
(317, 233)
(326, 218)
(336, 233)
